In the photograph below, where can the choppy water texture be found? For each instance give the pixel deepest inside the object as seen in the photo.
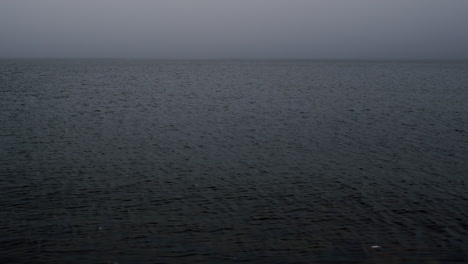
(125, 161)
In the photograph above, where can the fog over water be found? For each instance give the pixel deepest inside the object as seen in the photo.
(338, 29)
(270, 153)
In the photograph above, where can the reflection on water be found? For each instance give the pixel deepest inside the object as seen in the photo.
(233, 161)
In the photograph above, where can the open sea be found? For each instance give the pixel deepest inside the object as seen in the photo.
(233, 161)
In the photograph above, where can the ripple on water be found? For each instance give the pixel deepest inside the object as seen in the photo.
(232, 161)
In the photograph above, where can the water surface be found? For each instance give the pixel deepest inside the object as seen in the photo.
(153, 161)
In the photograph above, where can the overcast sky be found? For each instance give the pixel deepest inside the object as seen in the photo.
(322, 29)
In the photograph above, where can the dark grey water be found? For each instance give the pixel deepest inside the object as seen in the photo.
(233, 161)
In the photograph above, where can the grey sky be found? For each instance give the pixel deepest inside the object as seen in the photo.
(360, 29)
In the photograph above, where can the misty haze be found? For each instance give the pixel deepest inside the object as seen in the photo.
(248, 131)
(300, 29)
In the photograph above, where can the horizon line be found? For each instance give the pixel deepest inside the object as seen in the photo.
(234, 58)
